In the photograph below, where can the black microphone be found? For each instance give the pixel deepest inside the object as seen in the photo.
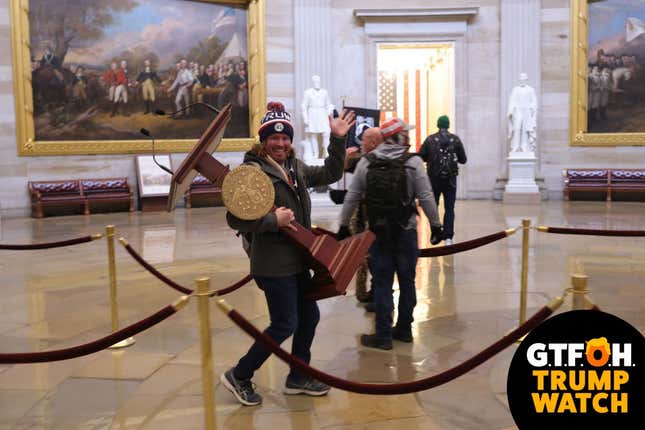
(211, 107)
(147, 133)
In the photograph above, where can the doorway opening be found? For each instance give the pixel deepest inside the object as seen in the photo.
(416, 82)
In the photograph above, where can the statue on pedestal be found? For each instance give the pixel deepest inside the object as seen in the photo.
(316, 109)
(522, 118)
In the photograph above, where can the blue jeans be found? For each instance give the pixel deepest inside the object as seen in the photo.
(388, 255)
(447, 187)
(290, 313)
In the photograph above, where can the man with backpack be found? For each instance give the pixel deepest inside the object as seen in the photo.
(388, 180)
(442, 151)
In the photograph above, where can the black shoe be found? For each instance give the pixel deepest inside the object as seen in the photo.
(402, 334)
(307, 385)
(370, 307)
(242, 389)
(371, 341)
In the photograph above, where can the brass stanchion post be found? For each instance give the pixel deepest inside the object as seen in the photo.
(579, 282)
(203, 300)
(526, 227)
(114, 309)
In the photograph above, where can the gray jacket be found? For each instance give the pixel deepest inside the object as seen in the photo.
(272, 253)
(418, 185)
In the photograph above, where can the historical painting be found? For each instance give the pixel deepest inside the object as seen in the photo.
(102, 70)
(608, 72)
(616, 81)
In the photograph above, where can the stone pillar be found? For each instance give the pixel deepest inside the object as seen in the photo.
(520, 53)
(313, 54)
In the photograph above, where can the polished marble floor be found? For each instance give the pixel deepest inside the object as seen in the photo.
(56, 298)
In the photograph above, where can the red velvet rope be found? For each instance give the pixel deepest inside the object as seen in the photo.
(172, 284)
(398, 388)
(59, 244)
(593, 232)
(231, 288)
(91, 347)
(443, 250)
(461, 246)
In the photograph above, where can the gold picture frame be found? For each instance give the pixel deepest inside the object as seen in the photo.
(579, 135)
(27, 145)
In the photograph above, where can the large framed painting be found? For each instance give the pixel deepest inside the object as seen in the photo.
(607, 72)
(90, 74)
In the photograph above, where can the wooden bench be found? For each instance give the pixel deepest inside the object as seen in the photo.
(107, 190)
(627, 181)
(55, 193)
(605, 181)
(80, 193)
(203, 192)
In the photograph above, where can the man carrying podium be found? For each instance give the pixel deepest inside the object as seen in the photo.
(278, 266)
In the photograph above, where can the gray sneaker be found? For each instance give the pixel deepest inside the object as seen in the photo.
(306, 385)
(242, 389)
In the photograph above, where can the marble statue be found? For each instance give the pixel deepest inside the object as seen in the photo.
(522, 117)
(316, 109)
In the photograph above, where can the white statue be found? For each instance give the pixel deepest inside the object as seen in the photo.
(522, 117)
(316, 109)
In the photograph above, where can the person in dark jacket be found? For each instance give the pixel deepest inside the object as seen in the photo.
(278, 266)
(442, 151)
(395, 249)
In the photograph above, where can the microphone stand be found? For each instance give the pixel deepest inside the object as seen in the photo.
(147, 133)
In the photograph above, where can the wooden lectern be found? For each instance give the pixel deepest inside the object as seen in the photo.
(199, 160)
(334, 262)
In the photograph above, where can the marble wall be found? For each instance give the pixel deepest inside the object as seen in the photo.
(477, 79)
(480, 93)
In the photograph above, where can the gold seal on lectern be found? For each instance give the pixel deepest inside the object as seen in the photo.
(248, 192)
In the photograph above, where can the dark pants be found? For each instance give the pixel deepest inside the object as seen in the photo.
(447, 187)
(388, 255)
(290, 313)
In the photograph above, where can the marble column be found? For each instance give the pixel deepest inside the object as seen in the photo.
(520, 53)
(313, 54)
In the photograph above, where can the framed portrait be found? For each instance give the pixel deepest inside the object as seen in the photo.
(607, 72)
(153, 180)
(90, 74)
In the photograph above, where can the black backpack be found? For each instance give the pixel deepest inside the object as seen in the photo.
(445, 163)
(387, 193)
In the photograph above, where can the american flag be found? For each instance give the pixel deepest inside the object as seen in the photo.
(224, 20)
(387, 91)
(403, 93)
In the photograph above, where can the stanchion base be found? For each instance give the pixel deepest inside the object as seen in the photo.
(123, 344)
